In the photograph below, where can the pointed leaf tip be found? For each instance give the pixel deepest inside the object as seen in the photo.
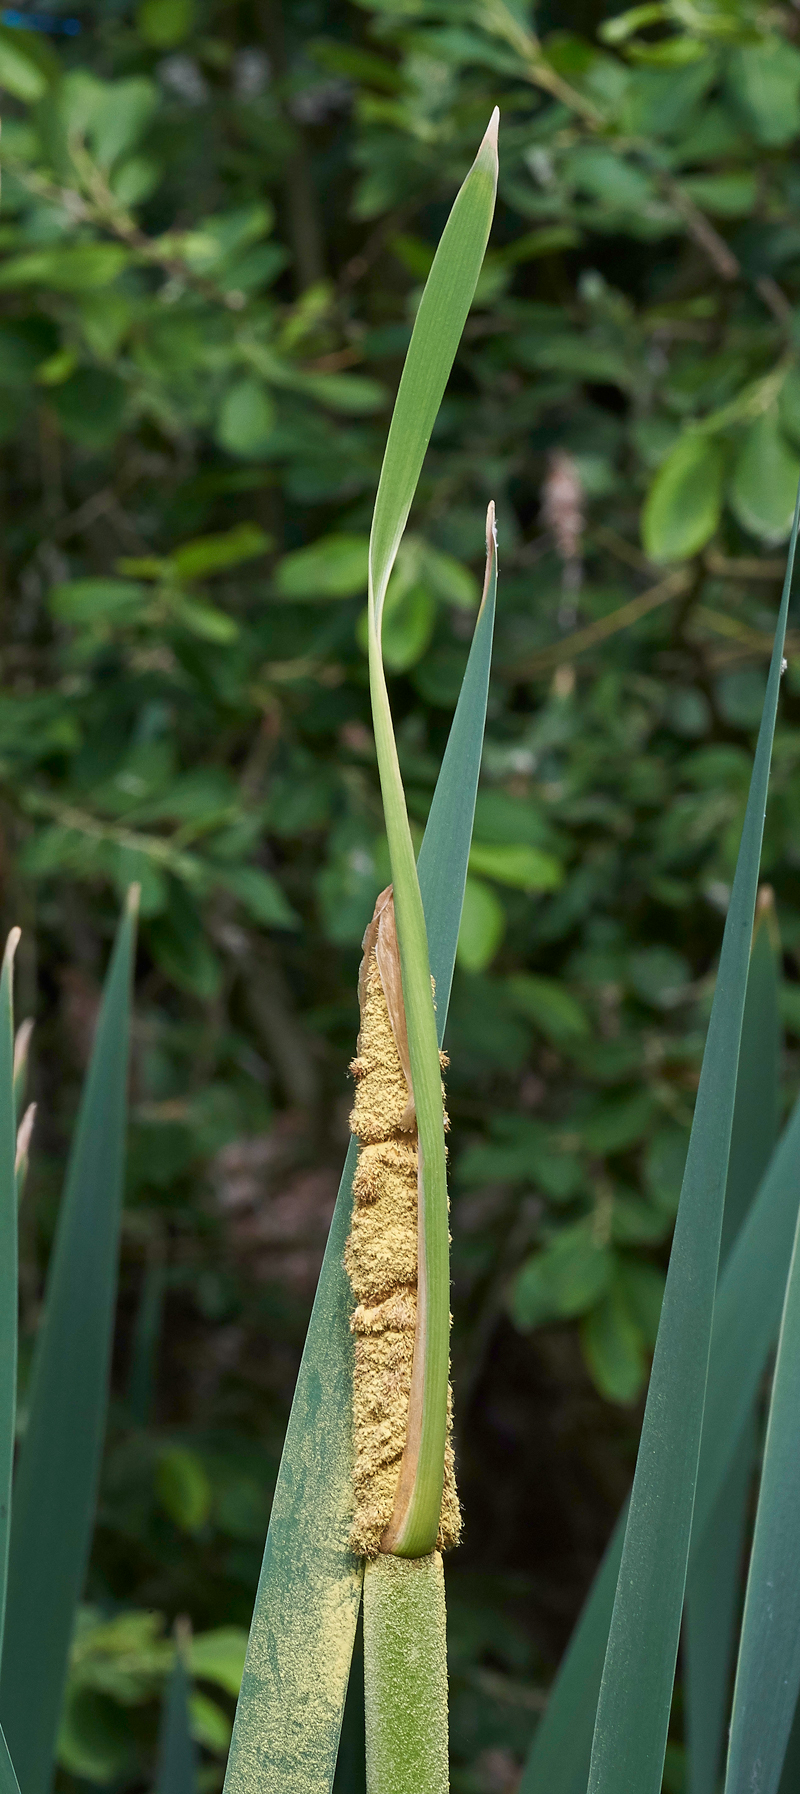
(488, 152)
(22, 1041)
(491, 553)
(12, 944)
(24, 1133)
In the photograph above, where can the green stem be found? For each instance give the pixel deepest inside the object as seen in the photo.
(421, 1521)
(405, 1676)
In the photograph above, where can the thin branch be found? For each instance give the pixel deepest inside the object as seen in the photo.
(673, 585)
(723, 566)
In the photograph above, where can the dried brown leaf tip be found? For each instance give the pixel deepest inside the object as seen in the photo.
(381, 1255)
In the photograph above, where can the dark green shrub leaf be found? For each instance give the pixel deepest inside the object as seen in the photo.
(483, 922)
(218, 1657)
(553, 1008)
(564, 1280)
(524, 868)
(165, 23)
(789, 405)
(659, 975)
(730, 195)
(25, 67)
(179, 946)
(259, 894)
(95, 600)
(183, 1488)
(90, 406)
(73, 268)
(408, 625)
(764, 484)
(765, 80)
(246, 419)
(684, 503)
(333, 567)
(613, 1347)
(204, 620)
(642, 1285)
(213, 554)
(121, 117)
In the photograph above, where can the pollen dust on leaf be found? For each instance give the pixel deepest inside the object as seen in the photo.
(381, 1261)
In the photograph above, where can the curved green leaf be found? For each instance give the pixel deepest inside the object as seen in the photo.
(443, 310)
(440, 320)
(299, 1652)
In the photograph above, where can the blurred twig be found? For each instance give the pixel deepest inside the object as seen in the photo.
(747, 566)
(673, 585)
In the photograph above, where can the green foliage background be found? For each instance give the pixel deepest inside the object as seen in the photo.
(216, 219)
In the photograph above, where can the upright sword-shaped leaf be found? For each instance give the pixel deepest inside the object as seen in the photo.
(8, 1780)
(8, 1260)
(56, 1484)
(747, 1315)
(713, 1583)
(768, 1668)
(176, 1769)
(636, 1688)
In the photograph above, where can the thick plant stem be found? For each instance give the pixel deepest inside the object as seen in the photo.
(405, 1675)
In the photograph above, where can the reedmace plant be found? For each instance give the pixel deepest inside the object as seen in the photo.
(366, 1495)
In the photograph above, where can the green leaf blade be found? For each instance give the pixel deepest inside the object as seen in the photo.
(438, 327)
(8, 1261)
(768, 1669)
(711, 1612)
(176, 1771)
(444, 854)
(636, 1687)
(712, 1589)
(8, 1779)
(746, 1320)
(443, 310)
(55, 1486)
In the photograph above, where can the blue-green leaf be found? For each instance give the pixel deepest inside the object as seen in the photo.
(768, 1670)
(8, 1259)
(712, 1589)
(636, 1687)
(8, 1780)
(56, 1484)
(746, 1320)
(176, 1771)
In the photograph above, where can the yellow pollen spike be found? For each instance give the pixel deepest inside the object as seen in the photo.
(382, 1251)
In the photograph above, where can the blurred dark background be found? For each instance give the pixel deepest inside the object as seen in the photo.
(217, 216)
